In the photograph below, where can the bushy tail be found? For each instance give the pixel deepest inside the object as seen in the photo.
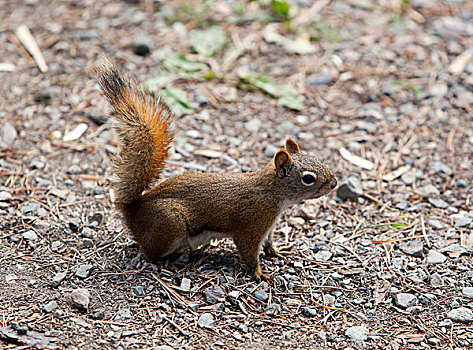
(144, 131)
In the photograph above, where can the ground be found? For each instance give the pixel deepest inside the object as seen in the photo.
(381, 92)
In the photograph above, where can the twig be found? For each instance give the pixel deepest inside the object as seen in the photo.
(176, 326)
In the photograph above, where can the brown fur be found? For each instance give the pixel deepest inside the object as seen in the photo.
(179, 211)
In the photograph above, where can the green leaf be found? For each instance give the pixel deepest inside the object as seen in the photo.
(292, 102)
(155, 84)
(274, 89)
(281, 7)
(180, 62)
(287, 96)
(208, 42)
(398, 224)
(176, 100)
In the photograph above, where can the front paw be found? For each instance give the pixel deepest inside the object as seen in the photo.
(259, 275)
(272, 252)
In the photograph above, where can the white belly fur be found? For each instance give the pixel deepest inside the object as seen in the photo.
(204, 238)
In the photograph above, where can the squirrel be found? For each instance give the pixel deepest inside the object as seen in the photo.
(191, 209)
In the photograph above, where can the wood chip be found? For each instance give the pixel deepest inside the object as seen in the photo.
(26, 38)
(355, 160)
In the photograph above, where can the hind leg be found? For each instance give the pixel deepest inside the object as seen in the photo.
(166, 232)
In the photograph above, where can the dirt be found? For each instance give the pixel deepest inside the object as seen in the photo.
(384, 261)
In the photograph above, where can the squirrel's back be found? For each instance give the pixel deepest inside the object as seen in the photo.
(143, 129)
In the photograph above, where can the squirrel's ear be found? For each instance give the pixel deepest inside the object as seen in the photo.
(282, 160)
(292, 146)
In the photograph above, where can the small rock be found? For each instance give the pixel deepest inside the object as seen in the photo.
(8, 133)
(404, 300)
(163, 347)
(253, 125)
(322, 256)
(357, 333)
(435, 223)
(319, 79)
(98, 314)
(83, 271)
(261, 295)
(442, 168)
(434, 341)
(30, 235)
(309, 312)
(462, 314)
(407, 178)
(74, 170)
(438, 203)
(467, 292)
(122, 314)
(206, 320)
(270, 150)
(413, 248)
(350, 190)
(4, 196)
(414, 310)
(434, 257)
(214, 294)
(463, 222)
(57, 279)
(427, 191)
(186, 284)
(436, 280)
(142, 45)
(50, 307)
(272, 309)
(401, 206)
(461, 183)
(81, 298)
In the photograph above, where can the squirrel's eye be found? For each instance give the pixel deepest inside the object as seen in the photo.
(308, 178)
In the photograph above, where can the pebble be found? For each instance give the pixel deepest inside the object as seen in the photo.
(186, 284)
(462, 314)
(436, 280)
(463, 222)
(442, 168)
(8, 133)
(83, 271)
(413, 248)
(427, 191)
(50, 307)
(122, 314)
(30, 235)
(81, 298)
(357, 333)
(467, 292)
(350, 190)
(261, 295)
(57, 279)
(434, 257)
(401, 206)
(404, 300)
(319, 79)
(270, 150)
(309, 312)
(272, 309)
(322, 256)
(214, 294)
(461, 183)
(206, 320)
(4, 195)
(142, 45)
(435, 223)
(438, 203)
(74, 170)
(407, 178)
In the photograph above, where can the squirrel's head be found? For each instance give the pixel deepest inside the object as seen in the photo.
(302, 175)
